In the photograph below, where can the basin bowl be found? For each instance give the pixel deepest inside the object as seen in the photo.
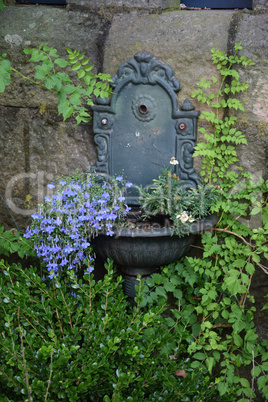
(142, 251)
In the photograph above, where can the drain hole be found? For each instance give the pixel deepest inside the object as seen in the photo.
(143, 109)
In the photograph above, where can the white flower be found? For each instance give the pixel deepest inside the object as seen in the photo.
(184, 217)
(173, 161)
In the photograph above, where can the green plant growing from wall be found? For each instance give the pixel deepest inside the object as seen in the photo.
(53, 73)
(218, 151)
(211, 295)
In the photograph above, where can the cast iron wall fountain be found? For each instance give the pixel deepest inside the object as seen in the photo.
(138, 132)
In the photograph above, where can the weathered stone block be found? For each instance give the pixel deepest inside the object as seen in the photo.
(35, 150)
(144, 4)
(260, 4)
(253, 33)
(56, 27)
(181, 39)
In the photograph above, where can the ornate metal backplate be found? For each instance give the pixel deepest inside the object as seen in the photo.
(142, 128)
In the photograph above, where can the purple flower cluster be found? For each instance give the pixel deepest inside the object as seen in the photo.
(81, 209)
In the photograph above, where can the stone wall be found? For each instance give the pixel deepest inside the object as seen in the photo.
(36, 146)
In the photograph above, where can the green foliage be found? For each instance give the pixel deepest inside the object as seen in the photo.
(168, 197)
(2, 5)
(70, 79)
(213, 310)
(11, 242)
(218, 150)
(79, 340)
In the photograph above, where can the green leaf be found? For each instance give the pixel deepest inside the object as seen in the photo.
(61, 62)
(76, 67)
(233, 284)
(81, 73)
(160, 291)
(223, 388)
(67, 112)
(169, 287)
(75, 99)
(262, 381)
(256, 210)
(209, 362)
(5, 74)
(238, 341)
(199, 356)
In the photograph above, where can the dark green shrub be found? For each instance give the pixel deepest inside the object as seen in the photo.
(80, 341)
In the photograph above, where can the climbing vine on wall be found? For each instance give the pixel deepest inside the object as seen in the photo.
(213, 312)
(75, 92)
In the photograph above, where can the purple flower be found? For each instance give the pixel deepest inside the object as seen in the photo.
(51, 185)
(54, 249)
(58, 221)
(52, 266)
(68, 249)
(64, 262)
(74, 236)
(85, 245)
(89, 270)
(111, 216)
(49, 229)
(71, 217)
(28, 234)
(37, 216)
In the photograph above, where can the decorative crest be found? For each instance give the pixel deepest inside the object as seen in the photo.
(144, 68)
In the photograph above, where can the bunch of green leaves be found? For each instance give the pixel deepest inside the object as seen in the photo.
(70, 340)
(2, 5)
(75, 92)
(218, 151)
(212, 306)
(11, 242)
(209, 316)
(168, 197)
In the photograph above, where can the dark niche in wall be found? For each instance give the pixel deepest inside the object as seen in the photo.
(218, 4)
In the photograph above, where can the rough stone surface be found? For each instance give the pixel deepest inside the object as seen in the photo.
(35, 150)
(253, 31)
(144, 4)
(175, 37)
(53, 26)
(260, 4)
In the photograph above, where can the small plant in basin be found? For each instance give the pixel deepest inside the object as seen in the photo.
(180, 204)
